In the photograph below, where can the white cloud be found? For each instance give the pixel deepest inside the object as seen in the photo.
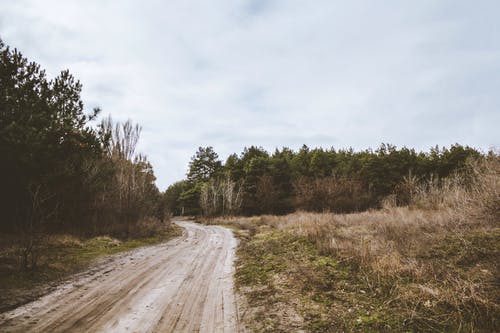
(274, 73)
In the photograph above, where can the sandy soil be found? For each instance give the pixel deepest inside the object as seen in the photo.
(184, 285)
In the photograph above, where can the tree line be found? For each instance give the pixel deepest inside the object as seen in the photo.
(61, 171)
(343, 180)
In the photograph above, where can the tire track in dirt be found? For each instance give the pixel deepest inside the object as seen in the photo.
(184, 285)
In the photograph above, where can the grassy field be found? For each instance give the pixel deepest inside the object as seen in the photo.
(328, 273)
(430, 267)
(60, 256)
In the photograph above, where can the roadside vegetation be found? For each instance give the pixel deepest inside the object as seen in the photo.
(431, 265)
(60, 256)
(72, 188)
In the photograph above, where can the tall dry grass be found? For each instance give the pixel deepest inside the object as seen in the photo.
(473, 194)
(437, 258)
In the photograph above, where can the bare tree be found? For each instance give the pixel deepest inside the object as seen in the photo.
(33, 233)
(220, 196)
(232, 196)
(210, 197)
(133, 173)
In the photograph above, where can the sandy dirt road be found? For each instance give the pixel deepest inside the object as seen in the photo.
(184, 285)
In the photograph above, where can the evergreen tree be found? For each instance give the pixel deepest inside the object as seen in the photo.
(203, 165)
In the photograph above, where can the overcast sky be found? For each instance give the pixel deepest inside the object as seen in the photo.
(237, 73)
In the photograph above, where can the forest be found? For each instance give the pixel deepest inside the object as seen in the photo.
(61, 170)
(50, 146)
(342, 181)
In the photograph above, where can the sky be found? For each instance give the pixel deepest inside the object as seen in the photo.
(270, 73)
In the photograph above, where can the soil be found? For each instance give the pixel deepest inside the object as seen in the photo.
(184, 285)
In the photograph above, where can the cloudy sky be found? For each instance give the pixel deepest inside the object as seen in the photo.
(274, 73)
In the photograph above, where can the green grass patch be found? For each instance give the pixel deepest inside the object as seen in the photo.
(276, 268)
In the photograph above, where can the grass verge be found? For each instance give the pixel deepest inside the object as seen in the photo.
(396, 270)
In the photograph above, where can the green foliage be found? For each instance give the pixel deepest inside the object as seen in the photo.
(204, 164)
(325, 180)
(190, 199)
(45, 140)
(172, 197)
(183, 197)
(59, 172)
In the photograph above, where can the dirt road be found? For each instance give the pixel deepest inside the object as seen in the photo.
(184, 285)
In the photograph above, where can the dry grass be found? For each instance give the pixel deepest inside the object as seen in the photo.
(436, 262)
(473, 194)
(143, 228)
(148, 227)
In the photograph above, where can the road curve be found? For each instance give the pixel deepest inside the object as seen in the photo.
(184, 285)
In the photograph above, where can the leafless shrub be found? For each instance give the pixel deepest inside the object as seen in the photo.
(474, 196)
(336, 194)
(405, 192)
(148, 227)
(131, 192)
(483, 201)
(34, 231)
(266, 193)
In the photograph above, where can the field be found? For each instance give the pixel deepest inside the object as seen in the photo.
(432, 266)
